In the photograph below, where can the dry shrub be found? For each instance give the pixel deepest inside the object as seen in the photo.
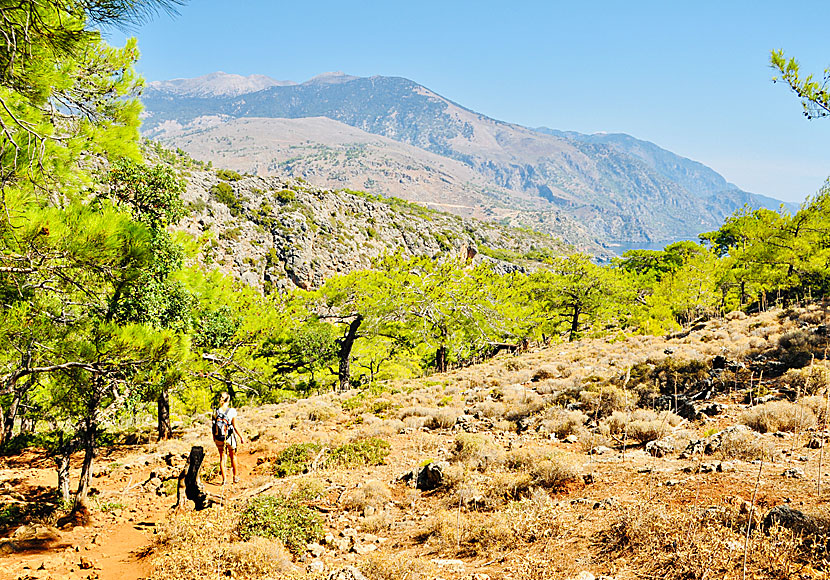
(444, 418)
(673, 544)
(818, 405)
(194, 546)
(810, 380)
(372, 493)
(743, 445)
(307, 489)
(602, 401)
(475, 533)
(477, 450)
(551, 471)
(414, 422)
(563, 423)
(642, 425)
(545, 373)
(509, 486)
(778, 416)
(505, 425)
(490, 409)
(379, 522)
(321, 413)
(384, 565)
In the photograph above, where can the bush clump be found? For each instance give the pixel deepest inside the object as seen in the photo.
(295, 459)
(778, 416)
(289, 521)
(371, 451)
(228, 175)
(285, 195)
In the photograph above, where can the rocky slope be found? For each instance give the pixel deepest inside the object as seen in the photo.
(616, 191)
(275, 232)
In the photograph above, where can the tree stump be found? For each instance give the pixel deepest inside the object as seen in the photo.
(190, 485)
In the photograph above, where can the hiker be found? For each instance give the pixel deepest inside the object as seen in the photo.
(226, 435)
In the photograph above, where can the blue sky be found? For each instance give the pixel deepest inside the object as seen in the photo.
(692, 77)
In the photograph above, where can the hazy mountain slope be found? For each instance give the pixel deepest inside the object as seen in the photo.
(617, 191)
(693, 176)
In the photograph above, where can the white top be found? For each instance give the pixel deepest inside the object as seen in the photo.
(230, 413)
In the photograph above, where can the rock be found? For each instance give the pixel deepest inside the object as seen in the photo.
(431, 476)
(571, 438)
(328, 538)
(584, 575)
(347, 573)
(87, 563)
(793, 473)
(316, 567)
(363, 549)
(601, 450)
(660, 447)
(792, 519)
(713, 409)
(815, 442)
(719, 362)
(316, 550)
(726, 466)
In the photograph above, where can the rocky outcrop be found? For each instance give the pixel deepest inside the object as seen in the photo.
(274, 233)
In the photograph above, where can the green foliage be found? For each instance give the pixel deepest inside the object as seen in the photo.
(363, 452)
(285, 195)
(228, 175)
(223, 193)
(287, 520)
(815, 97)
(295, 459)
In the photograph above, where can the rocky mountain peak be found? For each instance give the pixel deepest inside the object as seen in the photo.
(217, 84)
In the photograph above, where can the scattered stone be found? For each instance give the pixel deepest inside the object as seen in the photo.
(87, 563)
(584, 575)
(479, 576)
(726, 466)
(815, 442)
(601, 450)
(316, 567)
(347, 573)
(793, 473)
(660, 447)
(713, 409)
(316, 550)
(571, 438)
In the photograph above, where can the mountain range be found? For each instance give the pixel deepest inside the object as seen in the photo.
(393, 137)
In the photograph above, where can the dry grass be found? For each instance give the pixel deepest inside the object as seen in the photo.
(372, 493)
(385, 565)
(743, 445)
(477, 450)
(778, 416)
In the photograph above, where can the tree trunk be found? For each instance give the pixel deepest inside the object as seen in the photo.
(63, 475)
(346, 344)
(165, 430)
(8, 422)
(574, 325)
(441, 359)
(88, 442)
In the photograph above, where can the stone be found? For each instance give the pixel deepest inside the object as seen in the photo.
(363, 549)
(792, 519)
(571, 438)
(660, 447)
(726, 466)
(347, 573)
(316, 567)
(815, 442)
(431, 476)
(87, 563)
(793, 473)
(316, 550)
(584, 575)
(601, 450)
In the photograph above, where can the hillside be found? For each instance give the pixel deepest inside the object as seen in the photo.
(521, 487)
(278, 233)
(619, 189)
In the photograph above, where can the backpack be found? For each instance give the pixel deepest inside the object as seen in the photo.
(222, 427)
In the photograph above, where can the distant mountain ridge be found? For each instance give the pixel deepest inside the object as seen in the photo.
(614, 187)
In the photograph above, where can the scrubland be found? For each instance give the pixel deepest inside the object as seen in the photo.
(698, 455)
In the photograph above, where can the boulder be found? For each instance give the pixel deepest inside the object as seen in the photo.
(431, 476)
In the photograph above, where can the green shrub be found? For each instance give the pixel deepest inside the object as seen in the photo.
(224, 193)
(370, 451)
(294, 459)
(285, 195)
(228, 175)
(289, 521)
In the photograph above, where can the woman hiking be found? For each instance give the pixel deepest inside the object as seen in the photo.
(226, 435)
